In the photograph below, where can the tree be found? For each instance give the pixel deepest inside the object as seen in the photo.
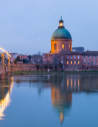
(37, 66)
(29, 58)
(46, 67)
(17, 59)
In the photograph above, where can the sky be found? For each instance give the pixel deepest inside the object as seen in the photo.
(26, 26)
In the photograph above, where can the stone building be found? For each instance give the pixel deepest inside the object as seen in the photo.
(90, 60)
(21, 56)
(61, 51)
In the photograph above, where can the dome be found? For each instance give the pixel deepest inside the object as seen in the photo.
(61, 33)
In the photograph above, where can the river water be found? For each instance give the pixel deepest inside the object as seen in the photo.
(49, 101)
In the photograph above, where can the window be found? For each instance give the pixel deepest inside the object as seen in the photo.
(92, 57)
(88, 57)
(55, 46)
(91, 62)
(88, 62)
(84, 62)
(78, 62)
(67, 62)
(74, 62)
(67, 57)
(69, 46)
(70, 62)
(84, 57)
(78, 56)
(71, 57)
(95, 57)
(62, 46)
(74, 57)
(95, 62)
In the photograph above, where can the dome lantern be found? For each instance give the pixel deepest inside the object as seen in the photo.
(61, 23)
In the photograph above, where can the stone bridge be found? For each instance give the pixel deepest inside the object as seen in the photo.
(4, 65)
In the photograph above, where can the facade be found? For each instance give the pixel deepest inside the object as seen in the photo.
(23, 56)
(90, 60)
(73, 61)
(61, 39)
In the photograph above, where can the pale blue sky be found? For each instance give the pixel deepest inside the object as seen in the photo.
(26, 26)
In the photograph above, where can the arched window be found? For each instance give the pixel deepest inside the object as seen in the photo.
(55, 46)
(69, 46)
(67, 62)
(62, 46)
(74, 62)
(70, 62)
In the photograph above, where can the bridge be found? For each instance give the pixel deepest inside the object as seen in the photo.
(4, 64)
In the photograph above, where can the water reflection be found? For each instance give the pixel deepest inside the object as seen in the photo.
(62, 87)
(5, 91)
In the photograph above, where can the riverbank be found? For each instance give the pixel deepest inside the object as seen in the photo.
(54, 72)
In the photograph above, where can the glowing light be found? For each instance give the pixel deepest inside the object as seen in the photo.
(5, 102)
(61, 117)
(70, 62)
(67, 82)
(67, 62)
(71, 82)
(61, 24)
(74, 62)
(5, 51)
(62, 46)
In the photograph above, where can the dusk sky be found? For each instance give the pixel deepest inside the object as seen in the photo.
(26, 26)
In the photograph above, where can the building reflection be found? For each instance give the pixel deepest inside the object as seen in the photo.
(5, 91)
(62, 87)
(61, 101)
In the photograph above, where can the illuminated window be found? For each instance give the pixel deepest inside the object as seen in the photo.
(70, 62)
(62, 46)
(78, 62)
(67, 62)
(74, 62)
(55, 46)
(69, 46)
(78, 56)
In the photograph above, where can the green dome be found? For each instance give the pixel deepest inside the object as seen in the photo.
(61, 33)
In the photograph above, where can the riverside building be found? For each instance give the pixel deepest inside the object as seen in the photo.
(61, 52)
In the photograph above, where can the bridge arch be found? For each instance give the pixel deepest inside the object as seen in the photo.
(5, 52)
